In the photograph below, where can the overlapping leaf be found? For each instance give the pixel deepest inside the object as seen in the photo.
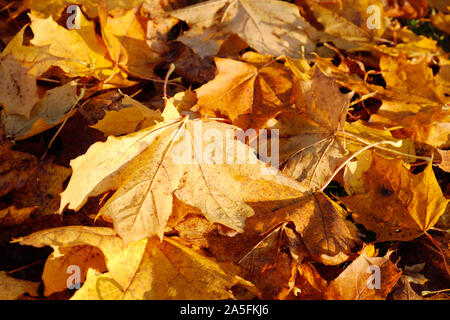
(269, 26)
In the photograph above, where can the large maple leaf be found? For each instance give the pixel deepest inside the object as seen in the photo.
(198, 162)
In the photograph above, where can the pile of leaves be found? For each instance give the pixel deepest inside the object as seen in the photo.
(96, 97)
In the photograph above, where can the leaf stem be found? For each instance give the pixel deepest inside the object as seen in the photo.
(348, 160)
(349, 135)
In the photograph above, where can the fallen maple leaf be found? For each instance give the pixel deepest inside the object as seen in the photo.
(125, 38)
(359, 280)
(84, 257)
(20, 66)
(56, 106)
(152, 166)
(82, 51)
(131, 117)
(145, 269)
(269, 26)
(311, 150)
(398, 204)
(272, 264)
(256, 93)
(320, 222)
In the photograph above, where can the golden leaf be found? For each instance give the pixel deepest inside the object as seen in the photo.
(398, 205)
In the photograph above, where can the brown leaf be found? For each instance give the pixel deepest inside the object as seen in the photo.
(398, 205)
(257, 93)
(311, 150)
(145, 269)
(271, 264)
(270, 26)
(403, 291)
(16, 168)
(359, 280)
(320, 222)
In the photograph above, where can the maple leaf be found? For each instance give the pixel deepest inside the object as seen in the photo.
(355, 282)
(256, 93)
(272, 264)
(82, 51)
(397, 205)
(269, 26)
(193, 207)
(143, 167)
(145, 269)
(126, 39)
(12, 288)
(20, 66)
(347, 24)
(56, 106)
(85, 257)
(320, 222)
(396, 70)
(131, 117)
(310, 150)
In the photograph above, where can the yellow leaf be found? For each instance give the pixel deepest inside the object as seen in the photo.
(145, 269)
(82, 51)
(133, 116)
(57, 269)
(52, 109)
(199, 162)
(13, 289)
(402, 74)
(126, 39)
(55, 7)
(20, 66)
